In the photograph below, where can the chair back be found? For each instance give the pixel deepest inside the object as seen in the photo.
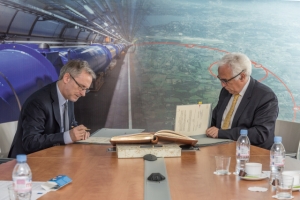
(290, 133)
(7, 133)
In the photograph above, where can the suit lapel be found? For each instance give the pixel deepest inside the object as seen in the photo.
(223, 107)
(246, 99)
(55, 104)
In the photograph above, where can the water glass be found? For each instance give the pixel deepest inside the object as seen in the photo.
(11, 192)
(284, 186)
(222, 164)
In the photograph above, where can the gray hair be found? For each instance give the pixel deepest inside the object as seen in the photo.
(75, 67)
(237, 62)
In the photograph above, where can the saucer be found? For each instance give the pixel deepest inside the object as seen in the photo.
(275, 196)
(255, 178)
(258, 189)
(296, 188)
(228, 173)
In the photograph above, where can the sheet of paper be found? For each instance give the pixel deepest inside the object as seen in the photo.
(96, 140)
(37, 190)
(109, 132)
(192, 119)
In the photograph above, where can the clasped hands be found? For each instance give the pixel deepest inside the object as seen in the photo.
(79, 133)
(212, 132)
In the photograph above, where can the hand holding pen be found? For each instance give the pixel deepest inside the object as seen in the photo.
(79, 133)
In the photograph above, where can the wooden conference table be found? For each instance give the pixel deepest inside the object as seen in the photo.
(99, 174)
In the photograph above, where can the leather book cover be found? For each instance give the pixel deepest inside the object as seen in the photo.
(138, 138)
(172, 136)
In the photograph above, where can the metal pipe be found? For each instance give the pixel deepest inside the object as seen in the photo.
(48, 42)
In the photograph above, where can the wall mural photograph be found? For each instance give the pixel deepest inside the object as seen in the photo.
(180, 42)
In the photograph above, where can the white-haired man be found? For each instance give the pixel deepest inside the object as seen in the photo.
(244, 103)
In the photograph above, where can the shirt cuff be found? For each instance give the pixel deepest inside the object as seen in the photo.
(67, 138)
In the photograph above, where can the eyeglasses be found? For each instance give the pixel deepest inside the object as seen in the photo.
(80, 86)
(225, 81)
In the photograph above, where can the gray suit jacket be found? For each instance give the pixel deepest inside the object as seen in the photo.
(39, 122)
(257, 113)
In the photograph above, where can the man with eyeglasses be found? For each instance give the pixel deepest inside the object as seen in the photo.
(47, 116)
(244, 103)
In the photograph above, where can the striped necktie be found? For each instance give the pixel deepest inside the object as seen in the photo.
(66, 117)
(229, 114)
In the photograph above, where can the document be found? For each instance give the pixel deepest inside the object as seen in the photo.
(96, 140)
(192, 119)
(109, 132)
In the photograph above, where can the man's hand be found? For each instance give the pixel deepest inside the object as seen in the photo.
(79, 133)
(212, 132)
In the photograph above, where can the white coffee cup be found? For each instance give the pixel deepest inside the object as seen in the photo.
(295, 174)
(253, 169)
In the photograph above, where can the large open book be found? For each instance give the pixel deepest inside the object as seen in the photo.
(159, 136)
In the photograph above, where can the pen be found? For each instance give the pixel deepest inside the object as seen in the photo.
(85, 129)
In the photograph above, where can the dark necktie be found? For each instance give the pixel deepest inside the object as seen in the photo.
(66, 117)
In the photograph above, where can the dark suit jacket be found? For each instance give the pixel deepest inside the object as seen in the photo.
(39, 122)
(257, 112)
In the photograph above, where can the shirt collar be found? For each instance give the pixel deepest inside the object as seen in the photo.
(61, 98)
(245, 87)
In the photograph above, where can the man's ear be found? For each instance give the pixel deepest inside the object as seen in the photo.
(66, 77)
(242, 76)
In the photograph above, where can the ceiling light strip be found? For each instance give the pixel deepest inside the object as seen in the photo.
(59, 17)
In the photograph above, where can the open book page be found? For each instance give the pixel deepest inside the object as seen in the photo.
(203, 140)
(192, 119)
